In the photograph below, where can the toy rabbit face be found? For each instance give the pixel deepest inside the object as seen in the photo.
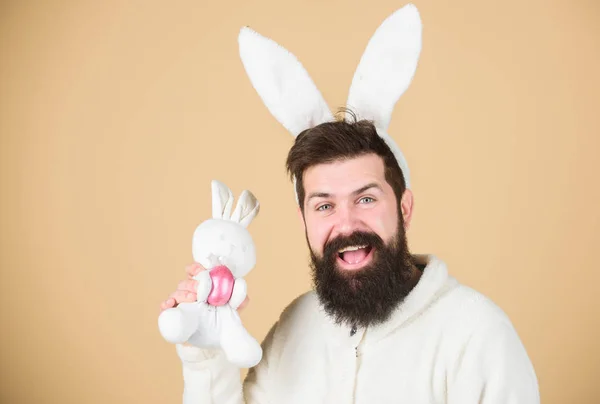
(224, 239)
(223, 242)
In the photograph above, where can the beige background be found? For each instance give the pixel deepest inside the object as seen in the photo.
(115, 116)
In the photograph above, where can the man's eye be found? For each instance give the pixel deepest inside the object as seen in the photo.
(367, 199)
(324, 207)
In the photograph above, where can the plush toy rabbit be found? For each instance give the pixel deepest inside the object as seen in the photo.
(224, 246)
(384, 73)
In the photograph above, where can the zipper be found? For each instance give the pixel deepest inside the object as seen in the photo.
(356, 362)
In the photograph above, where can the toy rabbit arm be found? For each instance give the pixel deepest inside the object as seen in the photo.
(239, 293)
(204, 286)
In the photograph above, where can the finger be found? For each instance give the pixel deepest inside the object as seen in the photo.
(194, 269)
(167, 304)
(181, 296)
(190, 285)
(244, 303)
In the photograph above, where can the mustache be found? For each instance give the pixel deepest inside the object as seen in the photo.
(356, 238)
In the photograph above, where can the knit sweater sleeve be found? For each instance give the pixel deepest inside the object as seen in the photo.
(493, 367)
(208, 378)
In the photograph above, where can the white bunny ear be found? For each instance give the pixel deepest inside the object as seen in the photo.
(222, 200)
(246, 209)
(387, 67)
(282, 83)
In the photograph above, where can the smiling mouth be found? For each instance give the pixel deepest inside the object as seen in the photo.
(355, 256)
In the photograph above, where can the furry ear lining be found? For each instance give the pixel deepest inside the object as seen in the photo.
(387, 67)
(222, 200)
(246, 209)
(282, 83)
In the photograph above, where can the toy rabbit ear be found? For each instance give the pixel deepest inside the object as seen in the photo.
(246, 209)
(222, 200)
(387, 67)
(282, 83)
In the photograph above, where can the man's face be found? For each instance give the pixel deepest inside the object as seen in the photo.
(345, 197)
(360, 259)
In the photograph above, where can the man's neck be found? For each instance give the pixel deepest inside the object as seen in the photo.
(415, 273)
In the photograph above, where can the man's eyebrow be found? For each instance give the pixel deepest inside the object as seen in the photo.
(354, 193)
(318, 195)
(366, 187)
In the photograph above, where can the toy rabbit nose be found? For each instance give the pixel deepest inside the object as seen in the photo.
(222, 285)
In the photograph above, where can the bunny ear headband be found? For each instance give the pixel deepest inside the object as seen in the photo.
(384, 73)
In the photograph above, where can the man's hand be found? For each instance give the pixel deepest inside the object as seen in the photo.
(186, 290)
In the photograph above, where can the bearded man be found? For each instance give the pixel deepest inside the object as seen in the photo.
(381, 325)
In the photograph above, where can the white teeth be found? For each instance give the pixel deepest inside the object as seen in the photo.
(352, 248)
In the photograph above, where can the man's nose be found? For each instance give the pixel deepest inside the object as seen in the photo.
(347, 220)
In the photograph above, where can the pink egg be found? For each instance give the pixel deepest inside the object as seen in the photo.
(222, 285)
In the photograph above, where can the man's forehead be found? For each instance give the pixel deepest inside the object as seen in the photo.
(351, 168)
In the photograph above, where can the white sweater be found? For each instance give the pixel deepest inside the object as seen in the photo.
(445, 344)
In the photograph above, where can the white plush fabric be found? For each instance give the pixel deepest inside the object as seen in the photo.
(445, 344)
(282, 82)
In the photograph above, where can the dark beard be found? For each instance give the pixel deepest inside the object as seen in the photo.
(369, 295)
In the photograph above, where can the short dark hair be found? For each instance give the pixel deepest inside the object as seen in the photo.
(341, 140)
